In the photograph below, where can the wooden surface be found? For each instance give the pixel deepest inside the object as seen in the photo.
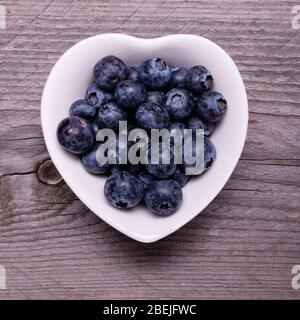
(243, 245)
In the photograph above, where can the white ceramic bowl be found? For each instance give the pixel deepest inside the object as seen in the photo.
(68, 82)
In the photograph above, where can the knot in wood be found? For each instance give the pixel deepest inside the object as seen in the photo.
(47, 173)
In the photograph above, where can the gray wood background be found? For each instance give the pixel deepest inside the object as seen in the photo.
(245, 243)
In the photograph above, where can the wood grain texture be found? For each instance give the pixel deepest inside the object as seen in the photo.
(243, 245)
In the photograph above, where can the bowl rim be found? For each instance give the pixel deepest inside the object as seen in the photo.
(103, 216)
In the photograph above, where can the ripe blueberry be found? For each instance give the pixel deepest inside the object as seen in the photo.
(76, 135)
(130, 94)
(95, 96)
(123, 190)
(198, 80)
(163, 197)
(178, 78)
(154, 73)
(211, 106)
(82, 109)
(178, 103)
(109, 71)
(109, 116)
(152, 116)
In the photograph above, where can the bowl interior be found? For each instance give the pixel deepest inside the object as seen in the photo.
(68, 82)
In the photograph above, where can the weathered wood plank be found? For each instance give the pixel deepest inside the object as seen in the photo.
(242, 246)
(241, 242)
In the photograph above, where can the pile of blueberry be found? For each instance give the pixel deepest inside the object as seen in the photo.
(150, 96)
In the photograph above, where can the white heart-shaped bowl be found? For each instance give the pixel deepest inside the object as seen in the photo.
(68, 82)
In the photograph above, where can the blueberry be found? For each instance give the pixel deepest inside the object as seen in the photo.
(76, 135)
(163, 197)
(95, 96)
(211, 106)
(133, 74)
(90, 163)
(164, 169)
(151, 115)
(109, 71)
(130, 94)
(179, 104)
(155, 96)
(178, 78)
(109, 116)
(209, 154)
(82, 109)
(198, 79)
(123, 190)
(195, 123)
(180, 176)
(154, 73)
